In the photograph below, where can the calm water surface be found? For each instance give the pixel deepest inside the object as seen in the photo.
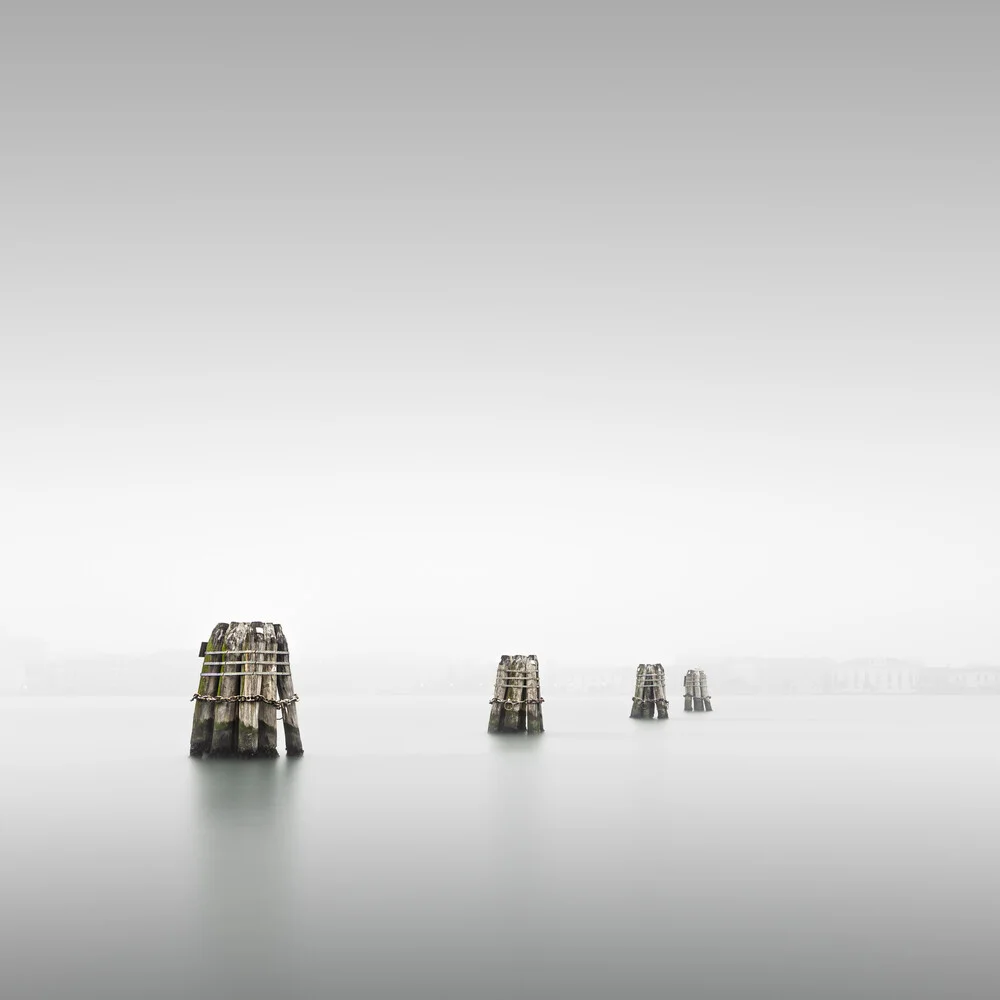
(800, 848)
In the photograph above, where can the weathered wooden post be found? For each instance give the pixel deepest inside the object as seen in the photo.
(287, 698)
(246, 677)
(649, 700)
(204, 710)
(696, 696)
(231, 669)
(249, 703)
(268, 711)
(640, 692)
(533, 698)
(706, 698)
(699, 702)
(513, 720)
(660, 692)
(516, 705)
(499, 692)
(648, 705)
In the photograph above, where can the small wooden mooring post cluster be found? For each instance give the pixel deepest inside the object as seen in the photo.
(246, 678)
(516, 705)
(650, 698)
(696, 696)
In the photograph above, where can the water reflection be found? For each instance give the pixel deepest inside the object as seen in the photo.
(233, 794)
(244, 814)
(772, 849)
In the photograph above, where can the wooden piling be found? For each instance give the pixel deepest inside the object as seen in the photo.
(204, 710)
(696, 696)
(223, 729)
(705, 696)
(247, 713)
(267, 743)
(699, 701)
(286, 692)
(533, 696)
(660, 692)
(640, 692)
(513, 721)
(648, 708)
(649, 700)
(499, 694)
(246, 678)
(516, 705)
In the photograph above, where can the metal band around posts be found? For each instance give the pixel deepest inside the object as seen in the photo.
(254, 673)
(242, 654)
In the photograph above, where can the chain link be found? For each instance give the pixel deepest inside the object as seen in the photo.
(276, 702)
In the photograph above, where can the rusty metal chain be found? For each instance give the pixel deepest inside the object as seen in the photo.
(276, 702)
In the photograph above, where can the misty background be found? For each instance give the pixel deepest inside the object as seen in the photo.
(610, 333)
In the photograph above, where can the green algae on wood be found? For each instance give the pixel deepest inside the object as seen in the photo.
(247, 712)
(267, 743)
(224, 729)
(245, 680)
(204, 711)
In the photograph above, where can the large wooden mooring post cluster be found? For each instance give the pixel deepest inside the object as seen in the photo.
(650, 698)
(246, 678)
(516, 705)
(696, 696)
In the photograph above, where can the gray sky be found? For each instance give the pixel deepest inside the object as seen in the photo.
(574, 330)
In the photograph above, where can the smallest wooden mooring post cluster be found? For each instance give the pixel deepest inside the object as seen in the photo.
(516, 705)
(246, 677)
(650, 698)
(696, 696)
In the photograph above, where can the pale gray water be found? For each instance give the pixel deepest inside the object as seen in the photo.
(839, 847)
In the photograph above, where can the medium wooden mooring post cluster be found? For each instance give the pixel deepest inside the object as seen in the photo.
(517, 698)
(245, 678)
(696, 696)
(650, 698)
